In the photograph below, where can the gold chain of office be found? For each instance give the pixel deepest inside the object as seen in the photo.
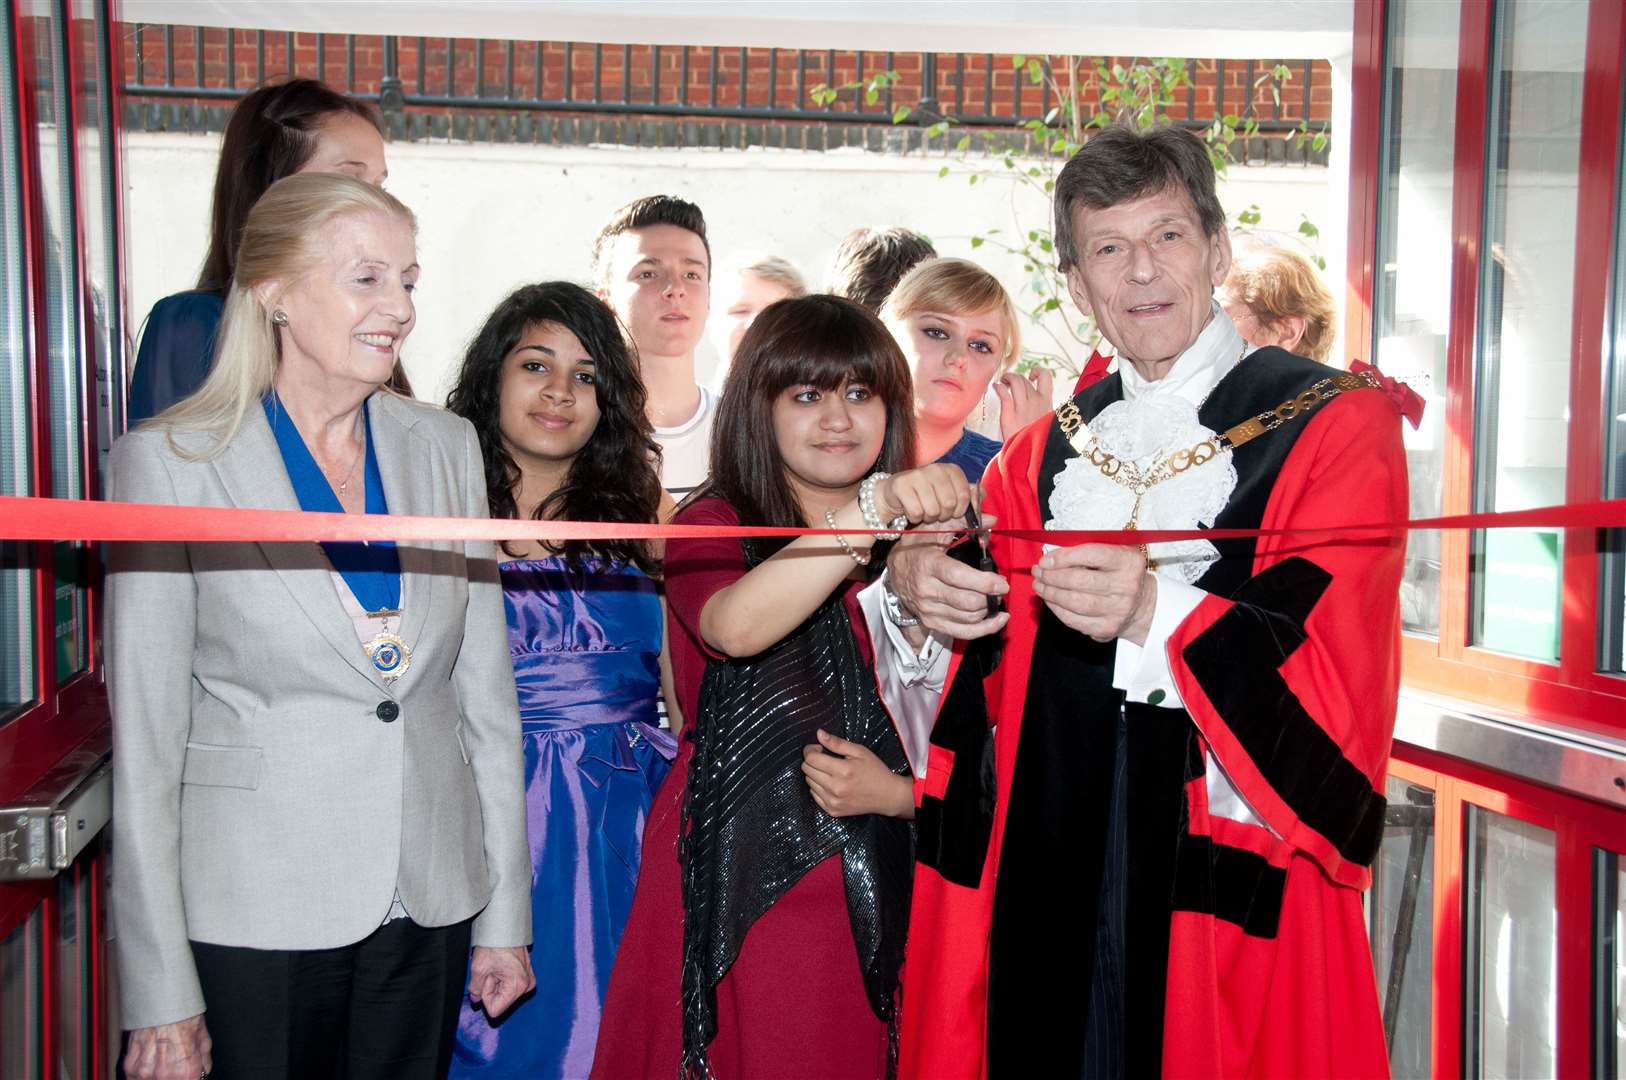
(1139, 481)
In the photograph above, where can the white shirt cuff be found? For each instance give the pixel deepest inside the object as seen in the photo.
(1142, 671)
(927, 665)
(910, 681)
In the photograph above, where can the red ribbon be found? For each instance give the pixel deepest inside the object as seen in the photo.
(1408, 401)
(80, 519)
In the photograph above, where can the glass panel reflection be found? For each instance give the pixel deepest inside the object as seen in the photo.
(1526, 293)
(70, 980)
(59, 198)
(21, 1011)
(1411, 300)
(99, 220)
(1401, 910)
(17, 634)
(1609, 937)
(1509, 947)
(1612, 569)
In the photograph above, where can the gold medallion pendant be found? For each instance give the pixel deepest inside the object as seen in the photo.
(390, 655)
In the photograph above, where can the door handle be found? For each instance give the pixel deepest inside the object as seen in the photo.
(42, 832)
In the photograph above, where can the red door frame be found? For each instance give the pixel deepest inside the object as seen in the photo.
(1579, 826)
(1572, 690)
(61, 717)
(1365, 177)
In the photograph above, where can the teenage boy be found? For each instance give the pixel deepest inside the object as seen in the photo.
(652, 265)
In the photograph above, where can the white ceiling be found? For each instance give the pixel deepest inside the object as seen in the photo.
(1244, 29)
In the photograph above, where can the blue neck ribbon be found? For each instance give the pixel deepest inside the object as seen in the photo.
(372, 571)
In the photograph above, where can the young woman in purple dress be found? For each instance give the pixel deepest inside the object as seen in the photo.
(554, 393)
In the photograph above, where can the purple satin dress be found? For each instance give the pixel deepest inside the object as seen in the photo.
(586, 651)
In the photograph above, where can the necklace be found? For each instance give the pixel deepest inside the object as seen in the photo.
(1140, 481)
(1127, 474)
(344, 484)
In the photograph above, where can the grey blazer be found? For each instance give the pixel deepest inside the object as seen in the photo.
(272, 792)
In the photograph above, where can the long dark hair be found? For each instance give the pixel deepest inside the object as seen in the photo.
(820, 341)
(271, 134)
(616, 475)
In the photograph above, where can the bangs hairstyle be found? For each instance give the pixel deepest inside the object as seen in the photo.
(957, 287)
(615, 476)
(284, 239)
(820, 341)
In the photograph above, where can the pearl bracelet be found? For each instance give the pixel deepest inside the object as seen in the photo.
(872, 515)
(859, 557)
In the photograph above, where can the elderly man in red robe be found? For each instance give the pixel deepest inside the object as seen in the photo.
(1155, 781)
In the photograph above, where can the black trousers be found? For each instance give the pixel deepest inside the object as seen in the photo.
(383, 1007)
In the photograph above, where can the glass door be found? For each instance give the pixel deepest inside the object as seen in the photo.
(61, 318)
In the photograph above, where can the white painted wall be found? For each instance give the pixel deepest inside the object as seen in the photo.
(496, 216)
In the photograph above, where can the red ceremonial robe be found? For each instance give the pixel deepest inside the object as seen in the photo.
(1213, 946)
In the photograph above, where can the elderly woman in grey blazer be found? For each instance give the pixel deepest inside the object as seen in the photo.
(317, 761)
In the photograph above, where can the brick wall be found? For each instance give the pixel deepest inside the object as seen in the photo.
(573, 77)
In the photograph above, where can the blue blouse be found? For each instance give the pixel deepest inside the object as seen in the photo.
(177, 351)
(972, 453)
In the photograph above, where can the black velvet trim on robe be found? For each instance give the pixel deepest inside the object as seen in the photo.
(1059, 850)
(1237, 661)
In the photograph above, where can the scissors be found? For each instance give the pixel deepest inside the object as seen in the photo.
(979, 558)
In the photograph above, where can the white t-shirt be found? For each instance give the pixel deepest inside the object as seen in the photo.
(686, 449)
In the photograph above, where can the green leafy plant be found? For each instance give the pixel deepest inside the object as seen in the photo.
(823, 94)
(1142, 93)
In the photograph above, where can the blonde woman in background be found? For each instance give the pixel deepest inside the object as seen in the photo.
(1275, 297)
(958, 329)
(739, 293)
(316, 747)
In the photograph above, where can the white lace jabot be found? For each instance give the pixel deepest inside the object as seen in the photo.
(1153, 421)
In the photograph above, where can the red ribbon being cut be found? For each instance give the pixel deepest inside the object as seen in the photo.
(24, 518)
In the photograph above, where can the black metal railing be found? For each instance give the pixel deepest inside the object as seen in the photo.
(418, 74)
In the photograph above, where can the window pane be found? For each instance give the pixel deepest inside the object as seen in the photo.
(61, 249)
(1412, 294)
(70, 976)
(1401, 908)
(62, 301)
(1612, 575)
(98, 203)
(1510, 939)
(16, 474)
(21, 1009)
(1610, 936)
(1528, 263)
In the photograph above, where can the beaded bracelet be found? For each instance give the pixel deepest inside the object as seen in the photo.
(872, 515)
(859, 557)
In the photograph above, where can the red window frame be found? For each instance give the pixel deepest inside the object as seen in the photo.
(1579, 826)
(1571, 691)
(61, 718)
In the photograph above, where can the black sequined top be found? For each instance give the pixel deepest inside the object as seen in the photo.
(751, 829)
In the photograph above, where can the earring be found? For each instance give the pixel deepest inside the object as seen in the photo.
(279, 318)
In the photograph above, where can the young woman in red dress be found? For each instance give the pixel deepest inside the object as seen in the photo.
(767, 932)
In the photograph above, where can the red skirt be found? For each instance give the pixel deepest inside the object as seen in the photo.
(792, 1006)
